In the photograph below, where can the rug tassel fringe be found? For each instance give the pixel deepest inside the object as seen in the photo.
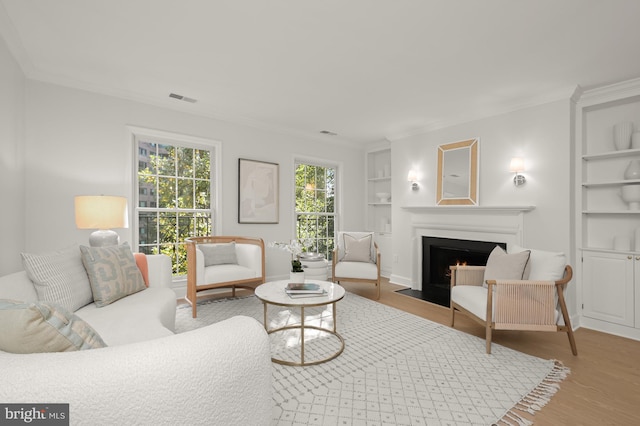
(537, 398)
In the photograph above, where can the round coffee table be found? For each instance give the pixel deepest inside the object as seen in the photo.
(272, 293)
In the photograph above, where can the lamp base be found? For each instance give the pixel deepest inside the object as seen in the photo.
(103, 238)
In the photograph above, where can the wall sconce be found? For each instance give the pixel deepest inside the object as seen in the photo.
(517, 166)
(413, 178)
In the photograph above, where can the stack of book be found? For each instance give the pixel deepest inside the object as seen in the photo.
(295, 290)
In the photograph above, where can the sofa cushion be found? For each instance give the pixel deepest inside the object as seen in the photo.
(503, 266)
(145, 315)
(43, 327)
(219, 254)
(112, 271)
(357, 249)
(59, 277)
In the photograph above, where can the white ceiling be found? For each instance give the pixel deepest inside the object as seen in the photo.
(364, 69)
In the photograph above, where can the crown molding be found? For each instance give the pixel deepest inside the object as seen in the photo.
(610, 93)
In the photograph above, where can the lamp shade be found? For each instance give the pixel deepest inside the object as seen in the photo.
(517, 165)
(412, 176)
(101, 212)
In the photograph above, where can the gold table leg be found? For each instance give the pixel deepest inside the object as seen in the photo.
(302, 327)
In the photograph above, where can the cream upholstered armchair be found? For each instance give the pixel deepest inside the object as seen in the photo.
(223, 261)
(356, 258)
(522, 290)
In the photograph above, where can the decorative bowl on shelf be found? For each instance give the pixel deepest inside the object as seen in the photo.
(383, 196)
(631, 195)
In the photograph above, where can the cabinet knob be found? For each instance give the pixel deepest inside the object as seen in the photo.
(637, 257)
(629, 257)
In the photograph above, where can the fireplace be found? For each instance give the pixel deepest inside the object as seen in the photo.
(440, 253)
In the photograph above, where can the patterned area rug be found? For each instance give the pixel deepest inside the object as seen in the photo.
(396, 368)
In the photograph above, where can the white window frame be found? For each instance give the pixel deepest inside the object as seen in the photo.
(321, 162)
(136, 133)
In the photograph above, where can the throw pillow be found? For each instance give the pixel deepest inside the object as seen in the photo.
(43, 327)
(503, 266)
(143, 265)
(219, 254)
(112, 271)
(543, 265)
(357, 249)
(59, 277)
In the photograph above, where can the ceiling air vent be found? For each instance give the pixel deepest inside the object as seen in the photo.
(182, 98)
(328, 133)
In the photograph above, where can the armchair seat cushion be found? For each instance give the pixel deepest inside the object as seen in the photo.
(473, 298)
(362, 270)
(225, 273)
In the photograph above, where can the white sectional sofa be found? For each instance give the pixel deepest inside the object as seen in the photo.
(216, 375)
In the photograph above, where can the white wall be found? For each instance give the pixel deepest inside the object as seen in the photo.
(12, 98)
(540, 134)
(77, 144)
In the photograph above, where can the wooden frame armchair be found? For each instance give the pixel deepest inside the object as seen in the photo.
(247, 271)
(365, 270)
(511, 304)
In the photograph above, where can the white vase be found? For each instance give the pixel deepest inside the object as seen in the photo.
(621, 243)
(631, 195)
(635, 140)
(633, 170)
(296, 277)
(622, 135)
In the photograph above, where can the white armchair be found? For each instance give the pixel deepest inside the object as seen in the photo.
(223, 261)
(356, 258)
(532, 301)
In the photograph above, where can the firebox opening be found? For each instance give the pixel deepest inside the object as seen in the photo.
(440, 253)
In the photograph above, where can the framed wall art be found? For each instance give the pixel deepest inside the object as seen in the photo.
(258, 198)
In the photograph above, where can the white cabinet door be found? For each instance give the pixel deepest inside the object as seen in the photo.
(608, 281)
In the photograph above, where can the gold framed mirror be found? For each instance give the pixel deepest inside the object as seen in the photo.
(458, 173)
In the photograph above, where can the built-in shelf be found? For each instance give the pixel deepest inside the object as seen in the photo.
(611, 183)
(379, 179)
(603, 250)
(611, 212)
(611, 154)
(493, 209)
(380, 204)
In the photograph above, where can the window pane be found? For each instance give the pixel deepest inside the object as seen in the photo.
(164, 161)
(167, 227)
(185, 161)
(148, 227)
(166, 192)
(203, 194)
(185, 194)
(202, 165)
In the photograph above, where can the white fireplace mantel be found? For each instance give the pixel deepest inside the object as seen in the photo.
(470, 209)
(502, 224)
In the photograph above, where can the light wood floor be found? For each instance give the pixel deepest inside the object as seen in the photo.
(603, 387)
